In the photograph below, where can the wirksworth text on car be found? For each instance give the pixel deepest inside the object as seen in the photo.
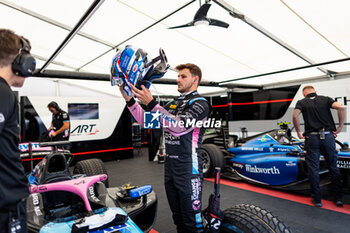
(255, 169)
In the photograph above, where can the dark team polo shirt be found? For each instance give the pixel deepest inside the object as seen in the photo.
(13, 181)
(57, 122)
(316, 110)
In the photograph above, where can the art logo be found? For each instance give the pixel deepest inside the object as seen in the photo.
(84, 130)
(151, 120)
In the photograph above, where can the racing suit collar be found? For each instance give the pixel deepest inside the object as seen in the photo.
(187, 93)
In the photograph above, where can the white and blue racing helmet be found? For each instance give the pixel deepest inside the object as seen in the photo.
(133, 66)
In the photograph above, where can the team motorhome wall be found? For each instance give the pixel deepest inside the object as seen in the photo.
(337, 89)
(100, 125)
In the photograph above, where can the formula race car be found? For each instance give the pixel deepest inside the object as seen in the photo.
(83, 201)
(274, 158)
(32, 153)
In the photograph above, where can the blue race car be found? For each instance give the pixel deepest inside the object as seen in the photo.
(273, 158)
(83, 201)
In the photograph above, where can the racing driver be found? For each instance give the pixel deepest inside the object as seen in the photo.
(183, 164)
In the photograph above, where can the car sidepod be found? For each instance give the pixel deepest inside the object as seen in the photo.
(266, 168)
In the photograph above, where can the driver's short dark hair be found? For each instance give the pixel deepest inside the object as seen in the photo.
(194, 70)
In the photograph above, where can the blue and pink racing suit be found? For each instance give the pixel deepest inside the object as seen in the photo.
(181, 119)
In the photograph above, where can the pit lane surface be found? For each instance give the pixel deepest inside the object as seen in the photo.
(294, 210)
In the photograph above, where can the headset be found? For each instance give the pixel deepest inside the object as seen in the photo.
(24, 63)
(54, 105)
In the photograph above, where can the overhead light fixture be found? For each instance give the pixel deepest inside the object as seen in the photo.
(201, 18)
(202, 22)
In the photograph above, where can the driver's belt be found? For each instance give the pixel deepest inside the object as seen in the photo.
(318, 133)
(321, 133)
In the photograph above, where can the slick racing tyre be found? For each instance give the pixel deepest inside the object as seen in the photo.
(91, 167)
(212, 157)
(244, 218)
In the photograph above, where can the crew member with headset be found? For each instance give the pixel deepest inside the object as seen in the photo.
(60, 124)
(16, 63)
(320, 133)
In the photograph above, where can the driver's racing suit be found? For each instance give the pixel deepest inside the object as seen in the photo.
(183, 164)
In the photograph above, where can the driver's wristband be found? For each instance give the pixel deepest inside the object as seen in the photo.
(151, 105)
(131, 102)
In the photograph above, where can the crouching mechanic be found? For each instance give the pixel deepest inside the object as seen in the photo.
(183, 164)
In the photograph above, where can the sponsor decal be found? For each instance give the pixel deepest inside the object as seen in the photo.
(169, 142)
(92, 194)
(196, 205)
(271, 149)
(252, 148)
(80, 182)
(172, 106)
(169, 136)
(42, 188)
(266, 138)
(171, 139)
(198, 217)
(143, 192)
(263, 139)
(238, 165)
(2, 118)
(283, 149)
(247, 148)
(290, 164)
(196, 188)
(36, 204)
(134, 68)
(343, 164)
(25, 146)
(35, 199)
(215, 223)
(262, 170)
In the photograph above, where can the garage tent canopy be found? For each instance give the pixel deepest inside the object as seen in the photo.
(264, 40)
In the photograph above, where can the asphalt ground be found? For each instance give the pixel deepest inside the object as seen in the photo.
(294, 210)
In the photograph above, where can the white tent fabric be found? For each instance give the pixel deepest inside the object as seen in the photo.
(317, 29)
